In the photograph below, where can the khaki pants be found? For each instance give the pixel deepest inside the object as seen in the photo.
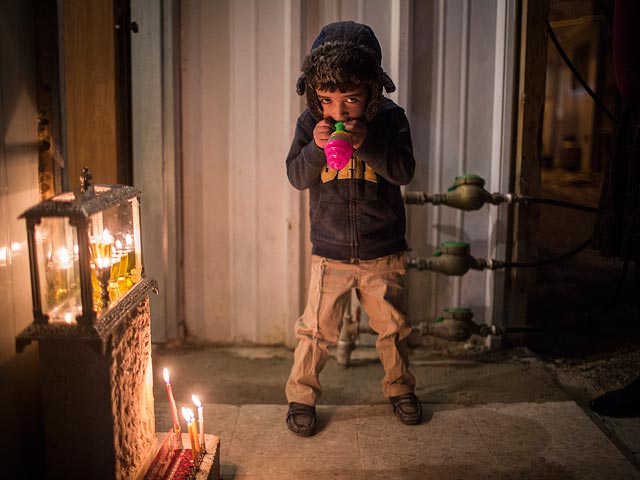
(379, 286)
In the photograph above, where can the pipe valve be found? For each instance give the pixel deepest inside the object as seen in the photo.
(466, 193)
(457, 325)
(453, 324)
(453, 258)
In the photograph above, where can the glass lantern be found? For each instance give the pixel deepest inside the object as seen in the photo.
(85, 252)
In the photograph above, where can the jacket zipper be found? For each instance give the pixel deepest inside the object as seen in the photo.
(352, 217)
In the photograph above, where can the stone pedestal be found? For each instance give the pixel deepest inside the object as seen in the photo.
(97, 389)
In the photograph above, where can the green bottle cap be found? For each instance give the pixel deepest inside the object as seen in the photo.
(459, 310)
(451, 244)
(339, 127)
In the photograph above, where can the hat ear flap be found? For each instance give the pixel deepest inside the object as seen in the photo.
(374, 102)
(300, 84)
(313, 103)
(387, 83)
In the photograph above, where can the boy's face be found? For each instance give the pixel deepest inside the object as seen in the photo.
(341, 107)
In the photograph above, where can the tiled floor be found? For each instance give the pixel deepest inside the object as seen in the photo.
(553, 440)
(500, 415)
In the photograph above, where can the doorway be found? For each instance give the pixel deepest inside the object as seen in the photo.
(584, 304)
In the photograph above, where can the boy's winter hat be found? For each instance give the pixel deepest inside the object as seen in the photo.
(344, 54)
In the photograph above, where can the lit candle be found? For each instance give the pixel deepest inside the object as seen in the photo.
(189, 418)
(193, 431)
(62, 271)
(194, 425)
(102, 246)
(64, 260)
(172, 402)
(198, 404)
(104, 262)
(106, 237)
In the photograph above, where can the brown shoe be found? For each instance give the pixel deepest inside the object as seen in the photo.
(407, 408)
(301, 419)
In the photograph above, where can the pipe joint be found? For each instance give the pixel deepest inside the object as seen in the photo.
(452, 258)
(457, 325)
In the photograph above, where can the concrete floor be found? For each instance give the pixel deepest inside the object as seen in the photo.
(496, 415)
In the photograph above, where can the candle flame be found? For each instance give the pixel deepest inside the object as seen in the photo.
(118, 244)
(63, 256)
(188, 415)
(106, 236)
(165, 375)
(196, 400)
(68, 317)
(104, 262)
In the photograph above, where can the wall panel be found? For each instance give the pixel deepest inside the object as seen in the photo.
(460, 99)
(205, 118)
(243, 222)
(20, 399)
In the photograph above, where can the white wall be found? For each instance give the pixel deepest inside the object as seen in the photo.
(245, 228)
(242, 229)
(19, 401)
(156, 155)
(18, 172)
(460, 109)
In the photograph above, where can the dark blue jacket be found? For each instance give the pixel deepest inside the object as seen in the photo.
(357, 212)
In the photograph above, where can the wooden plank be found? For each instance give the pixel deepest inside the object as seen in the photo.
(89, 68)
(532, 76)
(50, 145)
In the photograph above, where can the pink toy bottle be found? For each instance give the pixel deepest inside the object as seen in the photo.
(338, 148)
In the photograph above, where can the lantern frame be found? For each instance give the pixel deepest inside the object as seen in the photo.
(80, 209)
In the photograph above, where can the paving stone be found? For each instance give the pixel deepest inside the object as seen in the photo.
(553, 440)
(483, 420)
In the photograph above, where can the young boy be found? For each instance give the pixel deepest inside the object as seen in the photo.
(357, 216)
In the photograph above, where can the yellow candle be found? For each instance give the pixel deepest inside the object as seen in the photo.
(193, 431)
(102, 249)
(61, 267)
(188, 416)
(194, 426)
(172, 402)
(198, 404)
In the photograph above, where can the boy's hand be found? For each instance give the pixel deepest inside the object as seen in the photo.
(358, 131)
(322, 132)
